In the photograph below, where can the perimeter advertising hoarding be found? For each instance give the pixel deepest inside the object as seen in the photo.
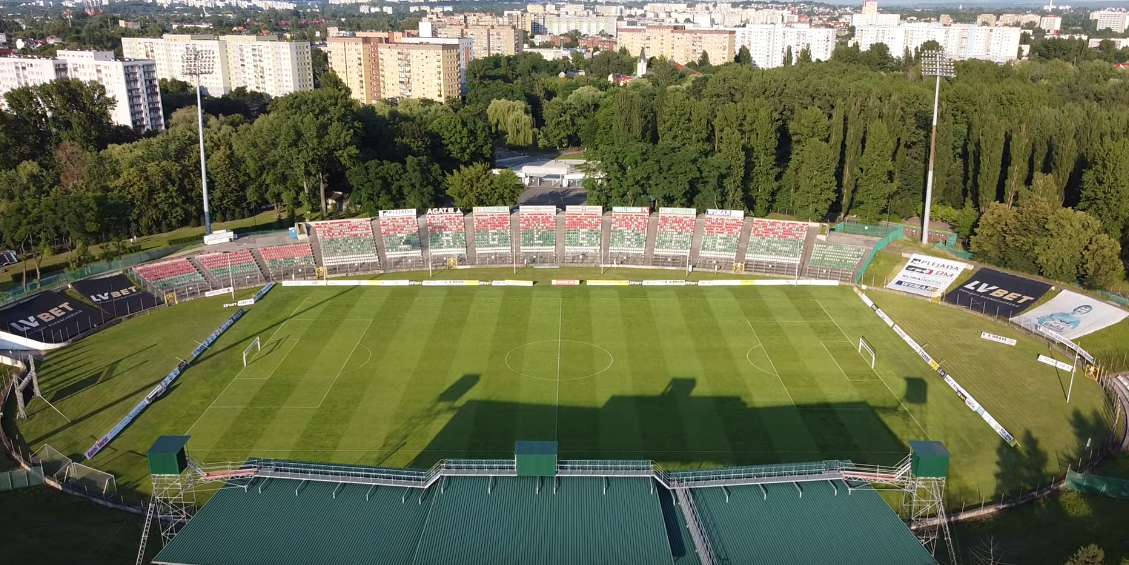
(1071, 315)
(997, 293)
(116, 295)
(926, 276)
(50, 317)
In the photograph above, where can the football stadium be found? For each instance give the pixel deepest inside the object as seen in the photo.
(544, 385)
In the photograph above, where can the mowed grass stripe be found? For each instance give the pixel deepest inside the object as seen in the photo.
(613, 322)
(363, 418)
(767, 422)
(682, 340)
(463, 385)
(579, 414)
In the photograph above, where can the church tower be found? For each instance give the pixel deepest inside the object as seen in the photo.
(641, 64)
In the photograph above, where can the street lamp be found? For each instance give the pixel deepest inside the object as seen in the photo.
(934, 63)
(196, 62)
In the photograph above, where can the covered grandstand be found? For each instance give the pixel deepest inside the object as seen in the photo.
(775, 247)
(584, 234)
(399, 232)
(675, 236)
(628, 241)
(446, 235)
(519, 511)
(492, 242)
(537, 227)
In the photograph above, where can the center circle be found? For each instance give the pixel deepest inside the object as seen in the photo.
(563, 360)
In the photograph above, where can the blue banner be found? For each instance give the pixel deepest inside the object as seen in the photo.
(161, 388)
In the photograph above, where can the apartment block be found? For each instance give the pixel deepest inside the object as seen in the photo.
(1051, 24)
(586, 25)
(418, 70)
(168, 53)
(131, 83)
(351, 58)
(262, 63)
(1111, 19)
(269, 65)
(487, 39)
(961, 41)
(768, 44)
(679, 44)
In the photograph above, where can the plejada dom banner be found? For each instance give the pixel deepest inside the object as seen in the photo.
(161, 388)
(949, 380)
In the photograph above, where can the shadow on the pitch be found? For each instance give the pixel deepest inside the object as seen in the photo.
(677, 428)
(917, 390)
(459, 388)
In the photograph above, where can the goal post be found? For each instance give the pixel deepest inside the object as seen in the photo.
(254, 345)
(865, 346)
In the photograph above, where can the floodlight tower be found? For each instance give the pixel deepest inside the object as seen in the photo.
(934, 63)
(196, 62)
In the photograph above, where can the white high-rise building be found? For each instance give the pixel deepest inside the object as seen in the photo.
(262, 63)
(131, 83)
(1051, 24)
(1111, 19)
(769, 43)
(961, 41)
(168, 52)
(265, 64)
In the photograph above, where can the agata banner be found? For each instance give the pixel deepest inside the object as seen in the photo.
(997, 293)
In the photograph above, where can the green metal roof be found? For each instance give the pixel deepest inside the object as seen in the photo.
(587, 520)
(168, 445)
(237, 527)
(816, 528)
(513, 523)
(928, 448)
(535, 448)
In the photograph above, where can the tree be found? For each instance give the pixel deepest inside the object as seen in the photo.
(743, 56)
(465, 138)
(374, 186)
(1105, 186)
(805, 55)
(511, 119)
(815, 180)
(761, 125)
(1088, 555)
(876, 173)
(788, 56)
(1101, 263)
(475, 185)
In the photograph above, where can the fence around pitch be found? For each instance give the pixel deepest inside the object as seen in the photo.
(53, 281)
(890, 234)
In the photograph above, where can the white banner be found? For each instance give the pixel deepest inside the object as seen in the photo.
(538, 210)
(1056, 363)
(573, 209)
(409, 212)
(1071, 315)
(630, 210)
(218, 292)
(726, 213)
(667, 283)
(926, 276)
(997, 338)
(608, 282)
(451, 283)
(678, 212)
(566, 282)
(303, 283)
(724, 282)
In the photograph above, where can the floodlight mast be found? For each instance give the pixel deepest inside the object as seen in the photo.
(196, 62)
(934, 63)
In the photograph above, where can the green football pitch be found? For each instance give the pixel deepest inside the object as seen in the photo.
(686, 376)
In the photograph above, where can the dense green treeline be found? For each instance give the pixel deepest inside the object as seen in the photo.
(1032, 159)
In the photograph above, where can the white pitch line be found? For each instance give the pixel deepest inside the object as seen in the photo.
(773, 365)
(233, 379)
(342, 369)
(896, 397)
(834, 360)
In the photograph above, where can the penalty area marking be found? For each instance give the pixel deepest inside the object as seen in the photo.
(611, 360)
(766, 356)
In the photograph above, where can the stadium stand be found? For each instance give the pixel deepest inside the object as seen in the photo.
(721, 233)
(169, 273)
(346, 241)
(832, 260)
(399, 230)
(492, 229)
(446, 232)
(281, 259)
(538, 225)
(775, 246)
(629, 230)
(583, 228)
(676, 231)
(229, 266)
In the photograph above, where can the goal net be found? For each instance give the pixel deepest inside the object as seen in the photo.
(253, 349)
(865, 346)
